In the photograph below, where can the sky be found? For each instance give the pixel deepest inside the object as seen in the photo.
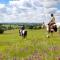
(4, 1)
(29, 11)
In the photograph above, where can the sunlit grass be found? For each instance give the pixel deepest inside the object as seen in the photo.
(13, 46)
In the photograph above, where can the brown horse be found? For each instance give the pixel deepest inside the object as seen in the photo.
(51, 29)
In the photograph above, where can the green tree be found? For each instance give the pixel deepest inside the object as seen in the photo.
(1, 29)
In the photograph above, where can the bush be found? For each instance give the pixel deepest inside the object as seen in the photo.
(1, 30)
(34, 27)
(4, 28)
(39, 27)
(30, 27)
(10, 27)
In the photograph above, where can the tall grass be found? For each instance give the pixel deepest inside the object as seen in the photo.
(35, 46)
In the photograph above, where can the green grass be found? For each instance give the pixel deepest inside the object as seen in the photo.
(35, 44)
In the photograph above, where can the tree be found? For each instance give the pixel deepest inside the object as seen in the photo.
(1, 29)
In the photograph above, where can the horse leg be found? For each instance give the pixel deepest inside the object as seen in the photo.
(25, 34)
(52, 30)
(48, 31)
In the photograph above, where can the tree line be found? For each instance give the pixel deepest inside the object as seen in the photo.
(4, 27)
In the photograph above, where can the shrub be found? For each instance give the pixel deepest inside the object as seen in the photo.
(4, 28)
(30, 27)
(1, 30)
(34, 27)
(10, 27)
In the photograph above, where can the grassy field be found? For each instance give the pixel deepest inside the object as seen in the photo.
(36, 46)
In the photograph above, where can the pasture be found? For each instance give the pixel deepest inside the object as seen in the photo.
(36, 46)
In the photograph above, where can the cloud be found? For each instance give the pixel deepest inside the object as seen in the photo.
(29, 10)
(58, 13)
(51, 10)
(2, 6)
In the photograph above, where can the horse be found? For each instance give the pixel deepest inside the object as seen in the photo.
(23, 33)
(51, 29)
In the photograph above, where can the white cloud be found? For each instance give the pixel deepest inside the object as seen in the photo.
(29, 10)
(51, 10)
(58, 13)
(2, 6)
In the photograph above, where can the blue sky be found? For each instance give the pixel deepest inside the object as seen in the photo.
(4, 1)
(30, 11)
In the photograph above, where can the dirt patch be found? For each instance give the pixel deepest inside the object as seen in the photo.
(58, 58)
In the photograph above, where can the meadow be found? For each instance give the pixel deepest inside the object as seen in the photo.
(36, 46)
